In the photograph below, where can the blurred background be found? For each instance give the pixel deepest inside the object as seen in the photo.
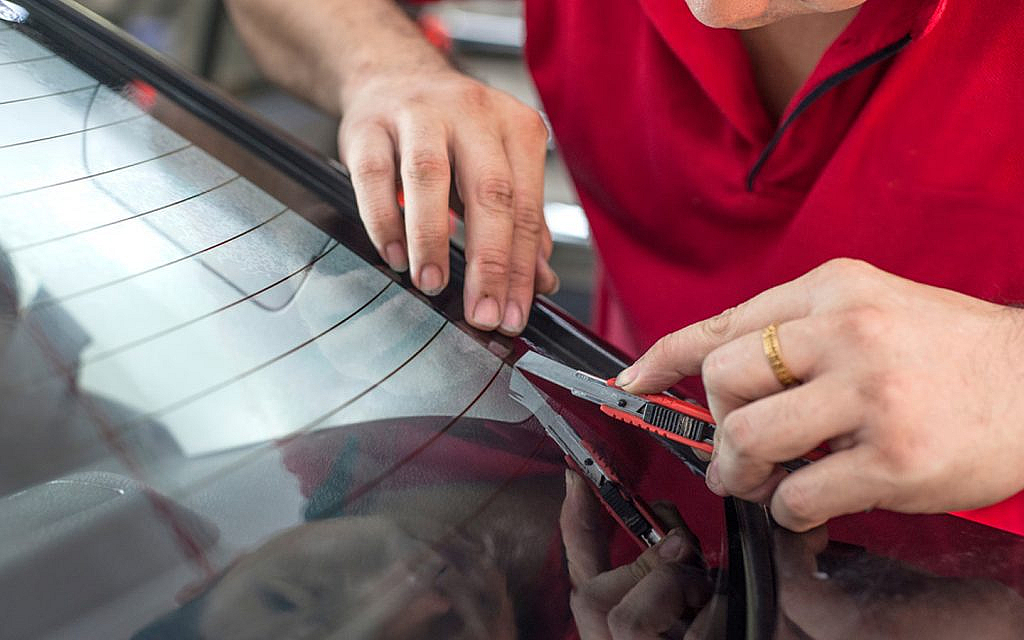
(484, 38)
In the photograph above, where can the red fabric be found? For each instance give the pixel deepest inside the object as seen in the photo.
(913, 164)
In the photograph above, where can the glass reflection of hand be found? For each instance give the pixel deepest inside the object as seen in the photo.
(360, 578)
(655, 596)
(827, 592)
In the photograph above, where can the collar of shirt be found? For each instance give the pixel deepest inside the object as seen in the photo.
(878, 26)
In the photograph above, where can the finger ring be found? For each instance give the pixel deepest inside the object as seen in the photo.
(770, 342)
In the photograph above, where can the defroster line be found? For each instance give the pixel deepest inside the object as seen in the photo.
(82, 292)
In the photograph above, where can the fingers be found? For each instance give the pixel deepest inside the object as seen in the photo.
(645, 598)
(671, 592)
(437, 125)
(487, 186)
(426, 179)
(834, 485)
(739, 372)
(668, 515)
(681, 353)
(370, 156)
(547, 281)
(664, 578)
(751, 440)
(583, 531)
(526, 152)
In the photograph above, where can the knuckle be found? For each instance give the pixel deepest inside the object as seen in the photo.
(798, 501)
(521, 274)
(428, 233)
(426, 168)
(844, 268)
(741, 434)
(475, 95)
(640, 567)
(493, 264)
(584, 598)
(373, 169)
(532, 124)
(718, 326)
(845, 278)
(864, 326)
(624, 622)
(496, 193)
(713, 368)
(529, 216)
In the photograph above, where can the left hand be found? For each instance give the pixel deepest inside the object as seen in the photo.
(655, 596)
(916, 389)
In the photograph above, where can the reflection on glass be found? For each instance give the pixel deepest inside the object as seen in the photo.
(831, 590)
(182, 352)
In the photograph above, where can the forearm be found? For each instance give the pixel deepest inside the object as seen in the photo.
(319, 50)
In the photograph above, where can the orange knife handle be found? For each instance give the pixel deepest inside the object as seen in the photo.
(629, 418)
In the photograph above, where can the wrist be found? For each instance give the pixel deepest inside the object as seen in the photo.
(395, 53)
(359, 77)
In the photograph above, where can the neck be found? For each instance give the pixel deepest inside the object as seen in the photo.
(783, 54)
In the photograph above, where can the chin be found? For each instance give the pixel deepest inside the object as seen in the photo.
(735, 14)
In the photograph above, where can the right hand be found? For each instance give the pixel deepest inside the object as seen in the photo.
(418, 125)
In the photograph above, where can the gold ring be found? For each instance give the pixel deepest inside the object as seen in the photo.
(770, 342)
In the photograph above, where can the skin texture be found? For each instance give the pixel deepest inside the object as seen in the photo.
(412, 122)
(783, 54)
(749, 14)
(914, 388)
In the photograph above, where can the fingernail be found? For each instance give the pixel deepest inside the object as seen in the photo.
(431, 280)
(486, 313)
(627, 377)
(671, 546)
(513, 321)
(556, 286)
(714, 481)
(394, 253)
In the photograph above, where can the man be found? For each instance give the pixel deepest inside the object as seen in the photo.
(715, 164)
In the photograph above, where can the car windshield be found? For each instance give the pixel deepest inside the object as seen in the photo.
(204, 396)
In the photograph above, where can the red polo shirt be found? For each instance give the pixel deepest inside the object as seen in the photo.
(904, 148)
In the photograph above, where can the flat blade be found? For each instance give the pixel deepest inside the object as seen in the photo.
(582, 385)
(523, 392)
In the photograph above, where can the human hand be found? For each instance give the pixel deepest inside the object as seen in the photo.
(829, 592)
(653, 597)
(422, 126)
(916, 389)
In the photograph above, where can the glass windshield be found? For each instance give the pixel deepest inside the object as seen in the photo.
(219, 405)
